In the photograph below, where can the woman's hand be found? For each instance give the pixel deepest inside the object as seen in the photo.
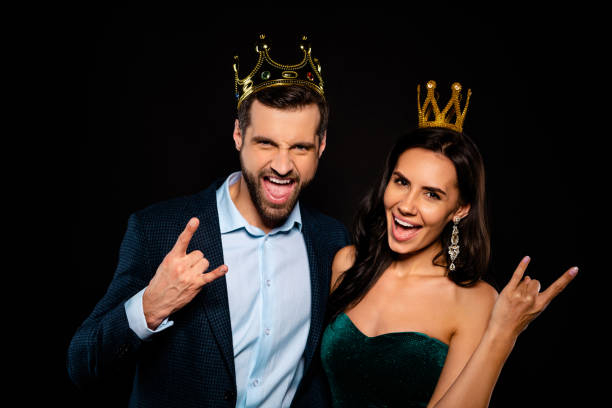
(521, 301)
(516, 306)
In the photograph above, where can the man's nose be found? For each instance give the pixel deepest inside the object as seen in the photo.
(282, 163)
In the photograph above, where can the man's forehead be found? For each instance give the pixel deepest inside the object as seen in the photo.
(258, 108)
(295, 123)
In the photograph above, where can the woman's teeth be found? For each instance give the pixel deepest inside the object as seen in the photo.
(404, 223)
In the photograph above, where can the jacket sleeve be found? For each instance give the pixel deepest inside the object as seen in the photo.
(104, 344)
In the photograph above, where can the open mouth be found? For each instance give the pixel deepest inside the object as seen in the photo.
(278, 189)
(404, 230)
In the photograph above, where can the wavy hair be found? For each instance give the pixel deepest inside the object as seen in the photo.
(372, 253)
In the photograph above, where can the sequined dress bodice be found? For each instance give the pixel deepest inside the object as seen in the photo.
(391, 370)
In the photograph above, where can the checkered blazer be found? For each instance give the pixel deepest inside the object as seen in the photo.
(191, 364)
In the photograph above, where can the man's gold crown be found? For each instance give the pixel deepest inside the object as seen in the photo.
(444, 118)
(268, 73)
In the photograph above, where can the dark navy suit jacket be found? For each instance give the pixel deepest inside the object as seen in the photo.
(191, 364)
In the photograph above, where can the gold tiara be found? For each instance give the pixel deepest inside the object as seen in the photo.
(268, 73)
(442, 119)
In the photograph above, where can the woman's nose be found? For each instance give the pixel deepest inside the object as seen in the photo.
(407, 205)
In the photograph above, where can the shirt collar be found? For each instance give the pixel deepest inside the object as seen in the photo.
(230, 218)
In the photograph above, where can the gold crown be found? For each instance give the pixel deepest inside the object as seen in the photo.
(268, 73)
(444, 118)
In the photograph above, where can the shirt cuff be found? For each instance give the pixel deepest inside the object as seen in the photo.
(136, 318)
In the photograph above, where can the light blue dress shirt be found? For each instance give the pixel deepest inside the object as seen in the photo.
(268, 288)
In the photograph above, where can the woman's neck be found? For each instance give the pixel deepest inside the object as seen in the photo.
(420, 263)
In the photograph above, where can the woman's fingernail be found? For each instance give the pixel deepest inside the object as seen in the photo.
(573, 271)
(526, 259)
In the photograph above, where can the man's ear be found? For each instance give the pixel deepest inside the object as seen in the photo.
(237, 135)
(322, 143)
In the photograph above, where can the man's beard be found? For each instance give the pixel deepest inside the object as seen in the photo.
(272, 214)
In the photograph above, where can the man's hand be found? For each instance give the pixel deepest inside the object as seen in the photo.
(179, 278)
(520, 302)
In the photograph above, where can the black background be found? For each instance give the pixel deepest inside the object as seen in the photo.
(147, 111)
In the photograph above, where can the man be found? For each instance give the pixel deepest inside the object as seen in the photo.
(246, 332)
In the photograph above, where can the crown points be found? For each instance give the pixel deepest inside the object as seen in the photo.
(430, 114)
(268, 73)
(261, 43)
(305, 45)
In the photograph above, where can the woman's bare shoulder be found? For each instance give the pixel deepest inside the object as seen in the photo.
(476, 300)
(344, 259)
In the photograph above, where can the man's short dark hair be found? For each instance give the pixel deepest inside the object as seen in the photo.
(285, 97)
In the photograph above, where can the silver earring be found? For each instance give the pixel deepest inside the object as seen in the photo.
(453, 249)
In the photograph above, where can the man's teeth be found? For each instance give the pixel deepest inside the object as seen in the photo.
(278, 181)
(404, 223)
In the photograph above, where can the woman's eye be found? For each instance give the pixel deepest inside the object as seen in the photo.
(431, 194)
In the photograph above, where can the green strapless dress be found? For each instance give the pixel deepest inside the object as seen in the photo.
(391, 370)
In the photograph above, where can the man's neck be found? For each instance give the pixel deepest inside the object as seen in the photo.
(241, 197)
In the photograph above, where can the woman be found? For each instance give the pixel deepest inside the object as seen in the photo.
(412, 323)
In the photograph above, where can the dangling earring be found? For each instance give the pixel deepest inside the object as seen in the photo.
(453, 249)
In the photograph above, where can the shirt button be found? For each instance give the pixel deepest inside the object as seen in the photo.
(255, 383)
(268, 283)
(267, 331)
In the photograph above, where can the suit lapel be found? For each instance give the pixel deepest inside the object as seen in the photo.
(319, 287)
(213, 297)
